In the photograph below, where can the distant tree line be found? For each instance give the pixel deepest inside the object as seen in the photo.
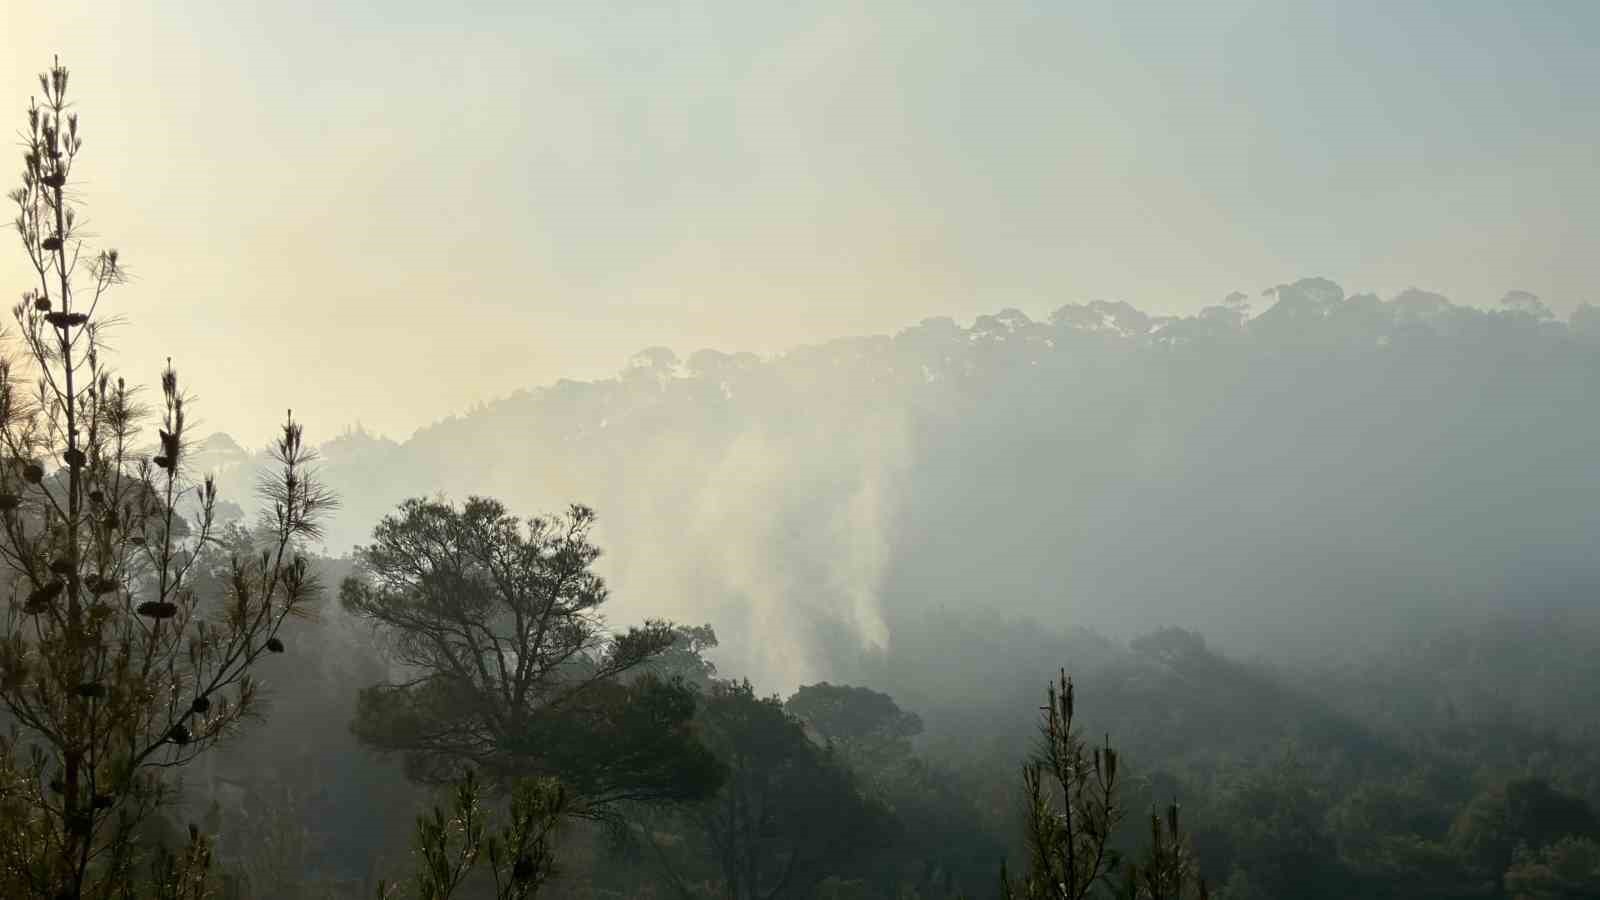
(154, 656)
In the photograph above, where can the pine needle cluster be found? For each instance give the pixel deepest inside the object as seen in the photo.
(1073, 811)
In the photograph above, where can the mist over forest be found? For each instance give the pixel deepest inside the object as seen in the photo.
(1322, 563)
(1301, 472)
(900, 592)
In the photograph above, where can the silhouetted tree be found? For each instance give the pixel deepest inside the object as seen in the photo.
(1069, 839)
(852, 715)
(113, 667)
(685, 660)
(788, 815)
(937, 843)
(510, 668)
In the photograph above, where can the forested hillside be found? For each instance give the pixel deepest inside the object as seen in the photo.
(1321, 465)
(1307, 591)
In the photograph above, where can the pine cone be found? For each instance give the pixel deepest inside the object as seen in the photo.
(66, 319)
(158, 609)
(39, 600)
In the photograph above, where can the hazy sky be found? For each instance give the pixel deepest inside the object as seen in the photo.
(390, 211)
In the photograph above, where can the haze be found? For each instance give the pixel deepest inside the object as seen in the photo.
(721, 422)
(434, 205)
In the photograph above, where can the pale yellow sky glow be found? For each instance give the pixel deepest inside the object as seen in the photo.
(388, 212)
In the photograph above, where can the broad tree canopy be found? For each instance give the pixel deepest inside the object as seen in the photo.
(510, 668)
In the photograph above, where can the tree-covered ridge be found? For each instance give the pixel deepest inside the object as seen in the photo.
(928, 520)
(1346, 462)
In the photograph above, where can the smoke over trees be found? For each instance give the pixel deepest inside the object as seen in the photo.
(1326, 561)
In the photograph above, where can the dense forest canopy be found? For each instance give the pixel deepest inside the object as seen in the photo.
(1306, 589)
(1273, 473)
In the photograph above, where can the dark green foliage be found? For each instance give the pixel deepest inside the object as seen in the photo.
(937, 845)
(1565, 870)
(788, 816)
(1168, 870)
(858, 716)
(453, 845)
(685, 660)
(1274, 816)
(511, 668)
(1526, 812)
(616, 741)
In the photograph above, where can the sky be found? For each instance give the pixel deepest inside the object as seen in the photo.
(386, 213)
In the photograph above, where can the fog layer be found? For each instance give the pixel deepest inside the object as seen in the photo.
(1322, 471)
